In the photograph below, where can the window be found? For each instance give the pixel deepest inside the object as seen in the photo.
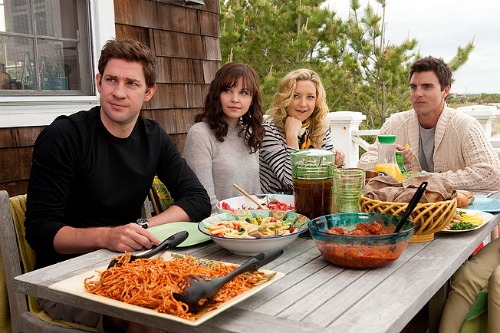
(48, 57)
(44, 47)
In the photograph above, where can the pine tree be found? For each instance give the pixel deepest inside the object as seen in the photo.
(359, 69)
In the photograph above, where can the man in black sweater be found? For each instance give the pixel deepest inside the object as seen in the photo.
(92, 170)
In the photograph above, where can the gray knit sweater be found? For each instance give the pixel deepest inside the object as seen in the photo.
(220, 164)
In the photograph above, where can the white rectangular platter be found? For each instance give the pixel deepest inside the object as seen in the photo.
(75, 286)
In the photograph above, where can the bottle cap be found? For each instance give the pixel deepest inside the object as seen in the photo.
(386, 138)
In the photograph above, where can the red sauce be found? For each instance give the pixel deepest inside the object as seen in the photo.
(361, 256)
(363, 229)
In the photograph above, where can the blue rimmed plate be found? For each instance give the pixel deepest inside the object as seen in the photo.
(488, 205)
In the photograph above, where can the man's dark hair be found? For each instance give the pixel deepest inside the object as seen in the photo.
(435, 65)
(130, 50)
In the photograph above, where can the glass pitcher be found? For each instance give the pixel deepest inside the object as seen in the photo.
(312, 173)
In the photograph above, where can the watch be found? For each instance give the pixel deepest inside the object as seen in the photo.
(143, 222)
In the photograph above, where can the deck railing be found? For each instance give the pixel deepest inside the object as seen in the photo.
(348, 137)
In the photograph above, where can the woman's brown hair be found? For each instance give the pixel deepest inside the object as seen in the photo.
(227, 77)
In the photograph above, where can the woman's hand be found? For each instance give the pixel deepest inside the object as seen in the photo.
(292, 131)
(339, 157)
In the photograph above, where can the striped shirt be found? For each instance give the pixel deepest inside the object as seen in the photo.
(275, 165)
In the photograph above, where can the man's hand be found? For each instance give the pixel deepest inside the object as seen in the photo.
(130, 237)
(408, 155)
(411, 161)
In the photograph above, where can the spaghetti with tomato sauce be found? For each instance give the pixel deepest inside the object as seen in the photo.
(150, 283)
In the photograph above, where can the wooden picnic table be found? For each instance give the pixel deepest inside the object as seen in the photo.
(313, 296)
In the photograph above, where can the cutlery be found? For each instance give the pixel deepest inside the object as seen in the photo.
(245, 193)
(197, 291)
(168, 243)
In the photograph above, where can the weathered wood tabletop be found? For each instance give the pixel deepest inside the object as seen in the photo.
(313, 296)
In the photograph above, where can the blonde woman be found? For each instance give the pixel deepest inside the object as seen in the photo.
(297, 120)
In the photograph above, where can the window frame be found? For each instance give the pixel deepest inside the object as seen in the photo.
(27, 111)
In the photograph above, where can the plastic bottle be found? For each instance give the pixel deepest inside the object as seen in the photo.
(386, 162)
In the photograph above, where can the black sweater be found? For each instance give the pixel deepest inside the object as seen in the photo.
(83, 176)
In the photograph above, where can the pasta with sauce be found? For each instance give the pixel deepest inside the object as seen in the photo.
(150, 283)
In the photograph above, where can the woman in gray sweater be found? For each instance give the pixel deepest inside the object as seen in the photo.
(222, 147)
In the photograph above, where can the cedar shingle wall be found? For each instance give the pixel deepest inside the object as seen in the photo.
(185, 40)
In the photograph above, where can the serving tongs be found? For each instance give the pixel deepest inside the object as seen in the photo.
(198, 291)
(168, 243)
(411, 206)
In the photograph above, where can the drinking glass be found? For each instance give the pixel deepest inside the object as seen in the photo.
(348, 185)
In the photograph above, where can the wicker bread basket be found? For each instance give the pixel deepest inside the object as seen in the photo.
(428, 218)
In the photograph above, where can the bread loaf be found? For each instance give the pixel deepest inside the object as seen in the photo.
(464, 198)
(433, 196)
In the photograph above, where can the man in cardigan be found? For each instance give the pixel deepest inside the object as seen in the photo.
(441, 139)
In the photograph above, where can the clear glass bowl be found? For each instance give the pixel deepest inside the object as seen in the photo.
(359, 251)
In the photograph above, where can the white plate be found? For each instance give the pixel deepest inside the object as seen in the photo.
(75, 286)
(487, 217)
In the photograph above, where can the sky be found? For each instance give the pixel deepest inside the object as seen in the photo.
(440, 27)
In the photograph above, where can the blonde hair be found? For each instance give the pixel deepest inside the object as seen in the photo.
(318, 123)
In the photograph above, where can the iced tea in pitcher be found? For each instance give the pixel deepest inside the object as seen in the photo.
(312, 172)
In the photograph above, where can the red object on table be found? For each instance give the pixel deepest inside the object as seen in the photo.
(477, 249)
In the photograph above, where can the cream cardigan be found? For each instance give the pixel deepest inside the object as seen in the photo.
(462, 154)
